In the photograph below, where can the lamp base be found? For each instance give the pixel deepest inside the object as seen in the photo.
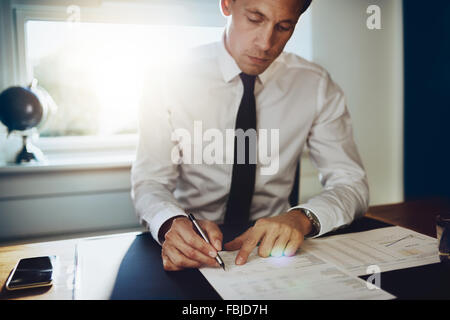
(29, 153)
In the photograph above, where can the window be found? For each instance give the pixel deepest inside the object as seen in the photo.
(94, 71)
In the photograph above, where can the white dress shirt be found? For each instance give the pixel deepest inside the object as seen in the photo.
(293, 95)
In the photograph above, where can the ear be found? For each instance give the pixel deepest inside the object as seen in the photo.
(225, 6)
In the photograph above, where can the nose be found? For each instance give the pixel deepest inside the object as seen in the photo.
(264, 39)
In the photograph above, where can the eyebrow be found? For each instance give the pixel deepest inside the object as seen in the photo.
(262, 15)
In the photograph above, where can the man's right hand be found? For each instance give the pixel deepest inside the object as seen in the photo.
(184, 248)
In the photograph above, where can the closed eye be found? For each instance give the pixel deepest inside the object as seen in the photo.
(253, 20)
(281, 28)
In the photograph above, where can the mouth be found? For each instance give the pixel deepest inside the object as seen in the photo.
(257, 60)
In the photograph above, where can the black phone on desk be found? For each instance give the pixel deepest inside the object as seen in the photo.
(32, 273)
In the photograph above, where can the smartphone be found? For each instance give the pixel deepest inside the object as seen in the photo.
(32, 273)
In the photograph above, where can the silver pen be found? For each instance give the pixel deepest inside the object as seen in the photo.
(197, 226)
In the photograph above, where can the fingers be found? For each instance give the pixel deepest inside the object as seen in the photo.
(186, 232)
(213, 232)
(184, 248)
(267, 243)
(237, 242)
(277, 236)
(168, 265)
(193, 240)
(193, 254)
(280, 244)
(174, 260)
(254, 235)
(294, 243)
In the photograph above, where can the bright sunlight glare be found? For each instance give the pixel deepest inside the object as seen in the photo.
(103, 66)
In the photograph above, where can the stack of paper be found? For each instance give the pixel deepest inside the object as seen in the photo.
(325, 268)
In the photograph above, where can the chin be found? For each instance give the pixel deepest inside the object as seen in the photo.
(254, 70)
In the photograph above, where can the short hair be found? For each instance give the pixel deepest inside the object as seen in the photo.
(306, 5)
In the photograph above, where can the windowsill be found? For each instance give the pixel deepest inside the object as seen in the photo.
(77, 162)
(72, 144)
(75, 153)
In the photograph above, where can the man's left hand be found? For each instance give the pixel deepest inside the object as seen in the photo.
(279, 235)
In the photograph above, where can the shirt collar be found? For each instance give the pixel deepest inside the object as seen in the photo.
(230, 69)
(228, 66)
(265, 76)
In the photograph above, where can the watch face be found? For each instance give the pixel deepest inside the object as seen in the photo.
(314, 221)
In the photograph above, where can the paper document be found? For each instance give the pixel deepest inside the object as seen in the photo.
(324, 268)
(389, 248)
(303, 276)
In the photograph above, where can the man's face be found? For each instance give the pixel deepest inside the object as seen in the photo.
(258, 30)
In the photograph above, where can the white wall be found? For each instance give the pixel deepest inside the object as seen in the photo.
(368, 65)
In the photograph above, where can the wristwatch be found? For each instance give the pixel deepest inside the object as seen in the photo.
(314, 222)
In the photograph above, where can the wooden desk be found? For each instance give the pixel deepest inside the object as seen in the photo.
(417, 215)
(62, 288)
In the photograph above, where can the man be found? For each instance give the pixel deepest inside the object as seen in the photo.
(245, 82)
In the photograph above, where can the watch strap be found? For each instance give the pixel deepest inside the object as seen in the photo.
(314, 222)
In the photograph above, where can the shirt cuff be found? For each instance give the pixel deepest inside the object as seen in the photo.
(320, 217)
(154, 223)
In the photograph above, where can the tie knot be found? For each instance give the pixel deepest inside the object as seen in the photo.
(248, 81)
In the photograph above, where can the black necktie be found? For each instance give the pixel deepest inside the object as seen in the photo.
(243, 178)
